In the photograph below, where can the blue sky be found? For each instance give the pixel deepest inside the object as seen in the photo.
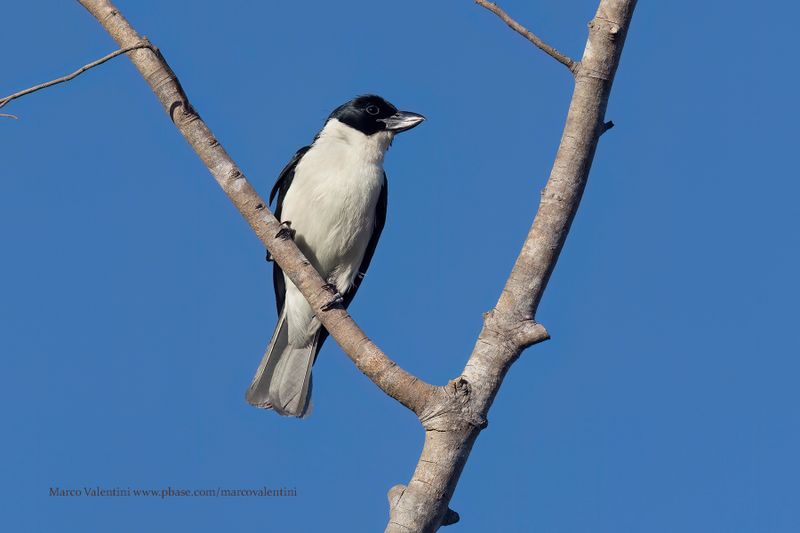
(135, 302)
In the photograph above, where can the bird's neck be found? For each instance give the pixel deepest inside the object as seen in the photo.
(339, 136)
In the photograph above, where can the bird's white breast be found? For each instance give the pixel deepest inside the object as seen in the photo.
(332, 199)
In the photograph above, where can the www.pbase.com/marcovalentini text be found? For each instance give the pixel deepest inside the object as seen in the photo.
(170, 492)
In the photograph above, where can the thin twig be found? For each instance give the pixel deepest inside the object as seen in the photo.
(75, 74)
(565, 60)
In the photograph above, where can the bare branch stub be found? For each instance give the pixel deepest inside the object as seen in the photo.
(564, 59)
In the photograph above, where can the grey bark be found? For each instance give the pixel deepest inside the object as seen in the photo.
(452, 415)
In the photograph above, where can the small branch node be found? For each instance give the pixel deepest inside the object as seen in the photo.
(394, 495)
(451, 409)
(531, 333)
(607, 126)
(112, 13)
(450, 517)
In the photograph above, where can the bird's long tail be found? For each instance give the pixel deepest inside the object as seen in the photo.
(283, 379)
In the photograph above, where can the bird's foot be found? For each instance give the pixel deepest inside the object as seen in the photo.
(336, 301)
(286, 232)
(330, 287)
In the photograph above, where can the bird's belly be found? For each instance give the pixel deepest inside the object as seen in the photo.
(333, 218)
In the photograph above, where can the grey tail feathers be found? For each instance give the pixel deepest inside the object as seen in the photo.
(283, 379)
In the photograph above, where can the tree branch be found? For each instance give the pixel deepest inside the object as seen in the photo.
(457, 414)
(565, 60)
(143, 44)
(385, 373)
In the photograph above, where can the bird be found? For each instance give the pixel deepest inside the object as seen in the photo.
(331, 199)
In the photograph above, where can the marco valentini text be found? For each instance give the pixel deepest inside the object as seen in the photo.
(169, 492)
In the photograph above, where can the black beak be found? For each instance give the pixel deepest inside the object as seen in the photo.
(402, 121)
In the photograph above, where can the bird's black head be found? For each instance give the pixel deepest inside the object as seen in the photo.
(371, 114)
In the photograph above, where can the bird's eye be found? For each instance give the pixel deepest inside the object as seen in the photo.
(372, 109)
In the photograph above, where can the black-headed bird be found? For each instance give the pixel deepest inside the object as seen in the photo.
(332, 199)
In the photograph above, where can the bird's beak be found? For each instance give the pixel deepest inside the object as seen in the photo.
(402, 121)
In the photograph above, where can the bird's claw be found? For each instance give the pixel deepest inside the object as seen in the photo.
(331, 288)
(286, 232)
(336, 301)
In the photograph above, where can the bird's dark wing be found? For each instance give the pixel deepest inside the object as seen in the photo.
(280, 188)
(284, 180)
